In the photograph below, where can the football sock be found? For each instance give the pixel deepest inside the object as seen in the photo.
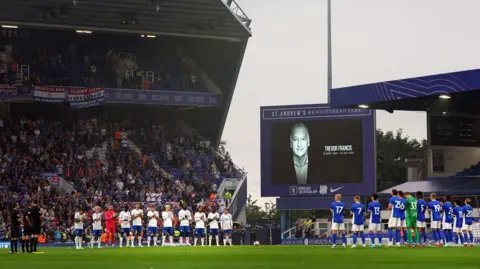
(465, 238)
(362, 235)
(417, 237)
(397, 236)
(354, 238)
(334, 239)
(344, 239)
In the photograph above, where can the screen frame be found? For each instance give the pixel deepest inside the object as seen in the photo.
(269, 115)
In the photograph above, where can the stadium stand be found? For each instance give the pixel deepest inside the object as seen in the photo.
(102, 168)
(112, 61)
(154, 83)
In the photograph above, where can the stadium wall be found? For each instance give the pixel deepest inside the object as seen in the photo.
(447, 161)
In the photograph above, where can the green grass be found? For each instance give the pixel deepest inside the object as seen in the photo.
(245, 257)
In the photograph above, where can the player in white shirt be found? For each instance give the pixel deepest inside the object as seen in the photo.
(200, 219)
(137, 226)
(226, 223)
(125, 219)
(185, 217)
(167, 217)
(79, 218)
(152, 229)
(213, 218)
(96, 227)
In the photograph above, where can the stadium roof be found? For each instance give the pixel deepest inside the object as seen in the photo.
(450, 185)
(415, 94)
(220, 19)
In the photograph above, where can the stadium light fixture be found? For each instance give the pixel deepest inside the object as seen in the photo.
(10, 26)
(444, 96)
(363, 106)
(83, 31)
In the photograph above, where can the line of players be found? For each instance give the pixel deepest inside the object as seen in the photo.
(131, 223)
(407, 216)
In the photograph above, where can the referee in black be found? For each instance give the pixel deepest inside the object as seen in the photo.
(15, 228)
(27, 230)
(36, 215)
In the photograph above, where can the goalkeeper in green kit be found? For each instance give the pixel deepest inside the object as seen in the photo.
(411, 219)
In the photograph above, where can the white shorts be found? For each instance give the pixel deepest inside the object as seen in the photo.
(396, 223)
(447, 226)
(457, 230)
(421, 224)
(338, 226)
(375, 227)
(435, 224)
(358, 228)
(467, 228)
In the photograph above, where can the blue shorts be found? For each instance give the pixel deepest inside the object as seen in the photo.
(97, 233)
(168, 230)
(125, 230)
(184, 229)
(137, 229)
(79, 232)
(152, 230)
(214, 231)
(200, 232)
(229, 231)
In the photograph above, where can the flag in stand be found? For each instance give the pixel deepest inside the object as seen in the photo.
(49, 94)
(85, 97)
(7, 91)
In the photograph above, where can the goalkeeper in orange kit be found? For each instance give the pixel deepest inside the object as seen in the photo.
(411, 219)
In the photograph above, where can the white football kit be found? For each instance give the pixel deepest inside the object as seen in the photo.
(125, 218)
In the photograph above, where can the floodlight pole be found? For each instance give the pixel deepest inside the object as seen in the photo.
(329, 48)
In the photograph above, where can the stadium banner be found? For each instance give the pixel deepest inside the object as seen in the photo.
(85, 97)
(162, 97)
(53, 94)
(49, 94)
(316, 150)
(309, 203)
(438, 84)
(53, 178)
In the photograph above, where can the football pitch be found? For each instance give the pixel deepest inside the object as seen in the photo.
(262, 257)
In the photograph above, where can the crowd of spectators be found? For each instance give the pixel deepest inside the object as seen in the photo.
(95, 157)
(64, 58)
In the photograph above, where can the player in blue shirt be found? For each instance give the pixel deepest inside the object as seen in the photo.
(457, 229)
(358, 212)
(467, 223)
(421, 225)
(399, 216)
(375, 223)
(391, 221)
(435, 209)
(337, 208)
(447, 221)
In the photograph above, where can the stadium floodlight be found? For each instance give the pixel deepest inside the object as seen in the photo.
(10, 26)
(151, 36)
(444, 96)
(83, 31)
(363, 106)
